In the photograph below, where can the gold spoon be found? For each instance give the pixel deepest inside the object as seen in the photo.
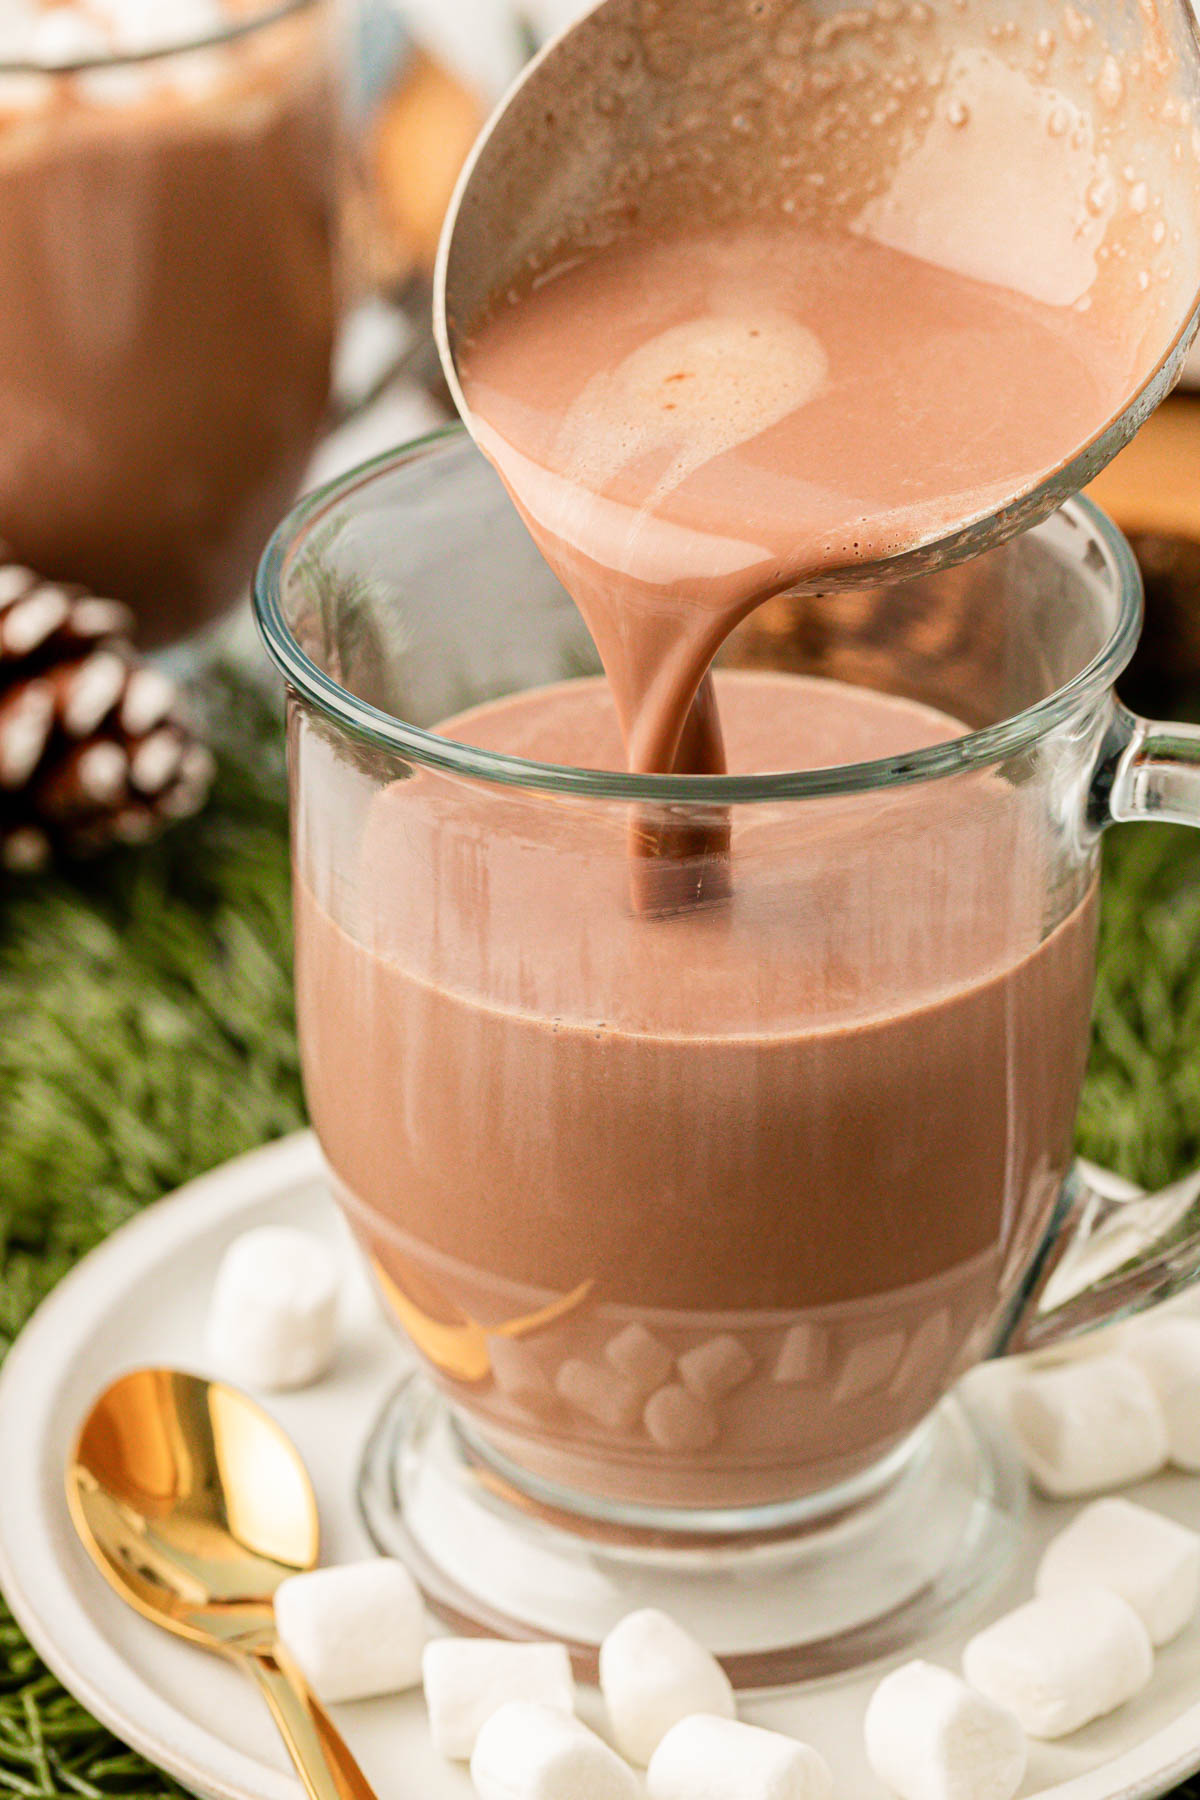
(195, 1505)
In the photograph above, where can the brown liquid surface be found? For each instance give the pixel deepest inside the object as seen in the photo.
(691, 423)
(167, 265)
(803, 1139)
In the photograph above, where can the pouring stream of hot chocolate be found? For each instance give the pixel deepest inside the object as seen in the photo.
(694, 422)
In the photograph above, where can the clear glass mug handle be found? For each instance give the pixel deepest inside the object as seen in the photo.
(1110, 1250)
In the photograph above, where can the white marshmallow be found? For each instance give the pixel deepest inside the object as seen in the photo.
(714, 1368)
(652, 1674)
(599, 1393)
(869, 1366)
(354, 1631)
(469, 1679)
(643, 1360)
(529, 1752)
(149, 25)
(802, 1355)
(1168, 1354)
(272, 1321)
(1063, 1660)
(677, 1421)
(518, 1373)
(931, 1737)
(65, 36)
(718, 1759)
(1087, 1426)
(1152, 1562)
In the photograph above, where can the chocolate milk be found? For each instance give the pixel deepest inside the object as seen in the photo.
(703, 1210)
(167, 266)
(691, 423)
(707, 1208)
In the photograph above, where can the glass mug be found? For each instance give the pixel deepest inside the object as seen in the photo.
(689, 1278)
(167, 255)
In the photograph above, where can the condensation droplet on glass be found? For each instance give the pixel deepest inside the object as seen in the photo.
(1139, 197)
(1077, 26)
(1158, 234)
(1165, 272)
(1045, 43)
(1143, 280)
(1110, 83)
(788, 204)
(958, 114)
(840, 25)
(1099, 196)
(1059, 122)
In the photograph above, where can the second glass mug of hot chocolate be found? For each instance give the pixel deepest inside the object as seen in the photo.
(167, 259)
(694, 1217)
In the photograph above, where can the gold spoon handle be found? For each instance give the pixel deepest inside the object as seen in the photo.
(322, 1760)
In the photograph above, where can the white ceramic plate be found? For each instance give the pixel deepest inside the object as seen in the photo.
(140, 1298)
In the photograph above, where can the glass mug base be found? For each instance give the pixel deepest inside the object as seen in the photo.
(785, 1593)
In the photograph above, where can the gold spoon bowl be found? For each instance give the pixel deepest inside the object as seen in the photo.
(195, 1505)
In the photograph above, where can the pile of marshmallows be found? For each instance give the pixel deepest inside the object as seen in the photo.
(1119, 1582)
(63, 34)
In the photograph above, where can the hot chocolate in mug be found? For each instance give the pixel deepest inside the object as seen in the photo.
(693, 1216)
(169, 259)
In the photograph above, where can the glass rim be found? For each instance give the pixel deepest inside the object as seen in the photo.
(229, 32)
(358, 719)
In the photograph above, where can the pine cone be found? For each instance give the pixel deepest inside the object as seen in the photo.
(95, 745)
